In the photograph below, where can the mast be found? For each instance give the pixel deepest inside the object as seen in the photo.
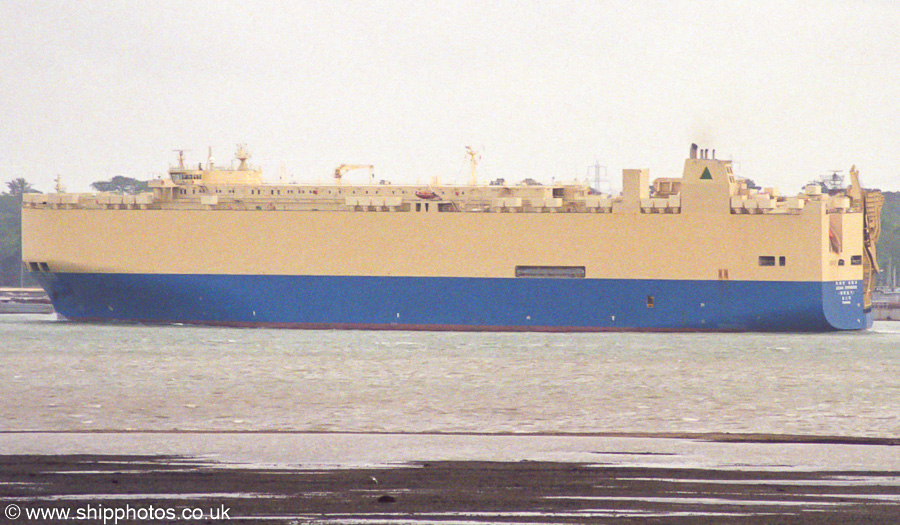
(242, 155)
(474, 157)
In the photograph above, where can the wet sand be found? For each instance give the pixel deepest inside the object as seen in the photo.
(452, 491)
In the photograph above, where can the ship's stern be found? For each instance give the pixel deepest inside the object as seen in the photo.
(843, 304)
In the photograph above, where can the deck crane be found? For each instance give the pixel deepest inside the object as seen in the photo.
(344, 168)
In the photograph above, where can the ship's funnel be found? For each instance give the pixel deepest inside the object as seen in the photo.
(693, 151)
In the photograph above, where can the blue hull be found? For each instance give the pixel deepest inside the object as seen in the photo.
(444, 303)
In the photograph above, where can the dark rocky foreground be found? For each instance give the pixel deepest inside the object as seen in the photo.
(442, 492)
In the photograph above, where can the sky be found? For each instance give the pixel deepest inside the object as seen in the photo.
(788, 90)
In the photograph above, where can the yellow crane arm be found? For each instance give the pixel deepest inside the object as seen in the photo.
(344, 168)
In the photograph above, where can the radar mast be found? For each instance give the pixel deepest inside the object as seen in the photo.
(242, 154)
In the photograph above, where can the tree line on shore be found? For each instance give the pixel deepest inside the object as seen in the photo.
(11, 273)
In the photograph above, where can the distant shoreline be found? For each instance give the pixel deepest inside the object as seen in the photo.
(717, 437)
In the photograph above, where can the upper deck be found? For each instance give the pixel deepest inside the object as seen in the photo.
(707, 185)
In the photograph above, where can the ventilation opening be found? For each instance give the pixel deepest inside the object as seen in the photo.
(38, 267)
(649, 301)
(553, 272)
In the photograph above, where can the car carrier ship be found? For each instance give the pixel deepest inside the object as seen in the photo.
(215, 245)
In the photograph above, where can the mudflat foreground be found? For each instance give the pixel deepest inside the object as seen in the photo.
(111, 486)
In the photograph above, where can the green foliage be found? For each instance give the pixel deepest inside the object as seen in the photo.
(120, 184)
(17, 187)
(751, 185)
(10, 239)
(889, 242)
(10, 225)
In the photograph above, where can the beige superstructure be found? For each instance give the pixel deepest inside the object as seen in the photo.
(689, 228)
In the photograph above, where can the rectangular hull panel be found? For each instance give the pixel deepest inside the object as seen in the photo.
(458, 303)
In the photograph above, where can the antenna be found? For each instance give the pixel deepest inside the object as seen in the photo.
(180, 153)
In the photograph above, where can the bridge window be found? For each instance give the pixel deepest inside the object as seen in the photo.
(856, 260)
(782, 260)
(767, 260)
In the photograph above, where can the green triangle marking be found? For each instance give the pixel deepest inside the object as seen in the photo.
(706, 174)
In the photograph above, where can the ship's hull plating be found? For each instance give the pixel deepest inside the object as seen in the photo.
(454, 303)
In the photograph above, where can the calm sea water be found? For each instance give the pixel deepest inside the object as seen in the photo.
(64, 376)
